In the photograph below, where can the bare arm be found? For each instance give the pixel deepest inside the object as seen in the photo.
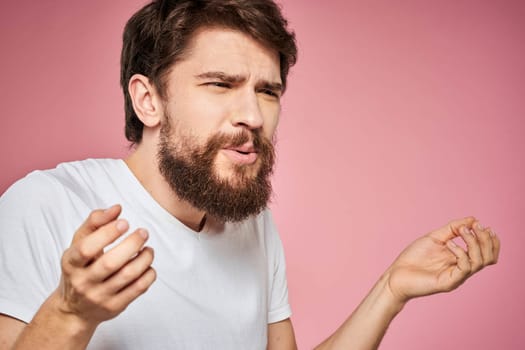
(281, 336)
(11, 329)
(431, 264)
(94, 286)
(367, 325)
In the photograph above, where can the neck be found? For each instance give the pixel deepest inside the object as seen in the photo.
(144, 165)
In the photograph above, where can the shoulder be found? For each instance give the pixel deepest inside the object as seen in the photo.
(44, 186)
(32, 188)
(268, 222)
(268, 232)
(263, 222)
(261, 225)
(64, 194)
(85, 172)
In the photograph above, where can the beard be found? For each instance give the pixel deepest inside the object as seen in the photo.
(189, 169)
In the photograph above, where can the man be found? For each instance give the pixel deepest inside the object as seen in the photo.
(202, 82)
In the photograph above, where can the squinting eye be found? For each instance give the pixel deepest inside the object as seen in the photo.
(270, 93)
(219, 84)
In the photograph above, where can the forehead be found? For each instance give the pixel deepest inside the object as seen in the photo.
(231, 52)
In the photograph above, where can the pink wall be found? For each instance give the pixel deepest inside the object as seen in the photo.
(400, 116)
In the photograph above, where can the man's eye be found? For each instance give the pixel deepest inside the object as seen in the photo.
(270, 93)
(219, 84)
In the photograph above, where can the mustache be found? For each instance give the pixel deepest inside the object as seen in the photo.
(238, 139)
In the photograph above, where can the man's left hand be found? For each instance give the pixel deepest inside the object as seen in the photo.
(434, 263)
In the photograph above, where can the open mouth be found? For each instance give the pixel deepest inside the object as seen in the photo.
(241, 155)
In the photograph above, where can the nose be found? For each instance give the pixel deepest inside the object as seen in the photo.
(248, 114)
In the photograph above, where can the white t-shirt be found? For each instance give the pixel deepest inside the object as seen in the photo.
(214, 290)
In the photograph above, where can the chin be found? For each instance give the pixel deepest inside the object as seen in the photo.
(235, 177)
(234, 173)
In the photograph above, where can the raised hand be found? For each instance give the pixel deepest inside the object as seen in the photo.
(434, 263)
(97, 286)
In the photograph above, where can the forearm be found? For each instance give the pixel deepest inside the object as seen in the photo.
(367, 325)
(53, 329)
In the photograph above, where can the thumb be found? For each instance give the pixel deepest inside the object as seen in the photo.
(451, 229)
(96, 219)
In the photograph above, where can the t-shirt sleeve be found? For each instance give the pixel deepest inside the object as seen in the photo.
(29, 252)
(279, 307)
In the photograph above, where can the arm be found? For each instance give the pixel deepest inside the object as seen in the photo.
(281, 336)
(431, 264)
(11, 328)
(94, 286)
(367, 325)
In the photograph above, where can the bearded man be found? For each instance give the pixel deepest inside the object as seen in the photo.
(202, 82)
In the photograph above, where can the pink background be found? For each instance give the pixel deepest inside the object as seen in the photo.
(400, 116)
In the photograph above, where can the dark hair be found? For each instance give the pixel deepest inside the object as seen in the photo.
(157, 35)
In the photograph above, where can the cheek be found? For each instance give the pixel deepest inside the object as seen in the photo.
(198, 117)
(271, 122)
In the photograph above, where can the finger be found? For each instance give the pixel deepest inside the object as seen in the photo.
(451, 230)
(134, 290)
(129, 272)
(486, 244)
(473, 249)
(96, 219)
(462, 269)
(496, 245)
(84, 251)
(114, 259)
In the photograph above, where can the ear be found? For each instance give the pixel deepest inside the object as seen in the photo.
(146, 101)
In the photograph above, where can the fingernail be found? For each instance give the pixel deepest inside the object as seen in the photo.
(479, 227)
(451, 244)
(109, 208)
(122, 225)
(492, 234)
(465, 230)
(143, 233)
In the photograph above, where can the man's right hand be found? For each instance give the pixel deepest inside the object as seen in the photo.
(95, 285)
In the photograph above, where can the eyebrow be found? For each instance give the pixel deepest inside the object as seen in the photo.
(238, 79)
(227, 78)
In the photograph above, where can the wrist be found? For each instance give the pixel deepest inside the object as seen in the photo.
(53, 327)
(395, 301)
(67, 320)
